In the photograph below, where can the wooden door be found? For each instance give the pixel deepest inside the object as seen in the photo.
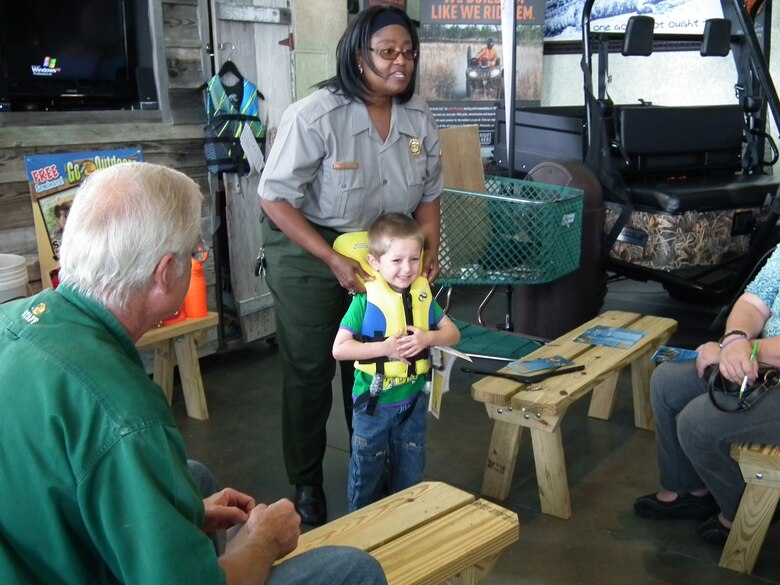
(249, 34)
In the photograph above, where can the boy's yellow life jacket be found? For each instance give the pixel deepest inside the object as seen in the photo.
(388, 312)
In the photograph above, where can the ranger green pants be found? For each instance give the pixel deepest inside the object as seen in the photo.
(308, 306)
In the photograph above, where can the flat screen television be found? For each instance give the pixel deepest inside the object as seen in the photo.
(67, 54)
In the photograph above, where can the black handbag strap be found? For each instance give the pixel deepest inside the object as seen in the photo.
(769, 380)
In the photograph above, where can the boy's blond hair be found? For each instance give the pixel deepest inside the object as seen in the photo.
(389, 227)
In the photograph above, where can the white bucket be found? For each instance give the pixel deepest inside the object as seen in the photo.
(13, 277)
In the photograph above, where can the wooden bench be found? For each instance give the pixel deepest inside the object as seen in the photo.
(429, 534)
(541, 407)
(760, 465)
(176, 344)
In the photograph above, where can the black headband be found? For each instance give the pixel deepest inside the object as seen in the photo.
(387, 18)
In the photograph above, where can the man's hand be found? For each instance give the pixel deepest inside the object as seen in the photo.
(270, 533)
(277, 525)
(226, 508)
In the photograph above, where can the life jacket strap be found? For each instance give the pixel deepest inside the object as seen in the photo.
(363, 398)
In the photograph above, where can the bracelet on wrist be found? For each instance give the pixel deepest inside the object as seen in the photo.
(729, 334)
(730, 341)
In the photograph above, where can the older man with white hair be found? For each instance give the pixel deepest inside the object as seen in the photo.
(95, 484)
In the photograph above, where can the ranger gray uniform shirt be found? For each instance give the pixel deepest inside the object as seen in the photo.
(329, 161)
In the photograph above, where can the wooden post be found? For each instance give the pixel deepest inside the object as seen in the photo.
(641, 370)
(163, 367)
(749, 530)
(501, 459)
(551, 472)
(191, 381)
(602, 402)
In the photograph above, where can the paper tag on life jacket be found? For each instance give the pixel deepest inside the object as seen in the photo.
(254, 155)
(442, 360)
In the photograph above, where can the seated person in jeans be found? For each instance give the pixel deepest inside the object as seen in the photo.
(699, 480)
(388, 331)
(101, 491)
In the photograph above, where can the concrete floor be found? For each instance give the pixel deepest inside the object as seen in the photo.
(609, 464)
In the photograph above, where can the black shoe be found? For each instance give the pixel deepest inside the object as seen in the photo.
(687, 506)
(713, 532)
(310, 504)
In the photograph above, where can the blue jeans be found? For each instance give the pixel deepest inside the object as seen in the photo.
(204, 479)
(329, 565)
(207, 485)
(693, 437)
(392, 438)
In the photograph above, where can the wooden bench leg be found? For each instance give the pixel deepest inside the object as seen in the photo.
(474, 574)
(483, 568)
(755, 512)
(465, 577)
(551, 472)
(602, 401)
(163, 367)
(501, 459)
(641, 370)
(191, 381)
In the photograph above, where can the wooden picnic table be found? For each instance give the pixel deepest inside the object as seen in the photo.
(541, 407)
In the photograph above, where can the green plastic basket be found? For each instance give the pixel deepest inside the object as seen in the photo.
(517, 232)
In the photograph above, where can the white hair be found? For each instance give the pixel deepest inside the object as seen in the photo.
(124, 220)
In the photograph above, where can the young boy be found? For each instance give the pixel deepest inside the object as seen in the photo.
(387, 331)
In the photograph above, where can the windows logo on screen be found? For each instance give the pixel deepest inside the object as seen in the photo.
(47, 68)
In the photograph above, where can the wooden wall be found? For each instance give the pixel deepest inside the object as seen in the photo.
(172, 135)
(187, 58)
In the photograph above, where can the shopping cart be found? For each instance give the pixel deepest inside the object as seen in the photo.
(515, 233)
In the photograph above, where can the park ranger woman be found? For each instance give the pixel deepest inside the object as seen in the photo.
(361, 146)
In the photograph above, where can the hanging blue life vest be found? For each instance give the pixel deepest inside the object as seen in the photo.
(222, 142)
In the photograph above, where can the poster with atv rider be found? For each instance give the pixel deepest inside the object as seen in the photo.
(462, 73)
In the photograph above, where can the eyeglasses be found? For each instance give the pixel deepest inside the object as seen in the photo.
(392, 54)
(201, 251)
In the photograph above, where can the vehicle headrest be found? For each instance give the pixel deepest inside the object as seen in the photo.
(716, 40)
(638, 40)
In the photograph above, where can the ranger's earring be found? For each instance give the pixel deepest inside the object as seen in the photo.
(360, 69)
